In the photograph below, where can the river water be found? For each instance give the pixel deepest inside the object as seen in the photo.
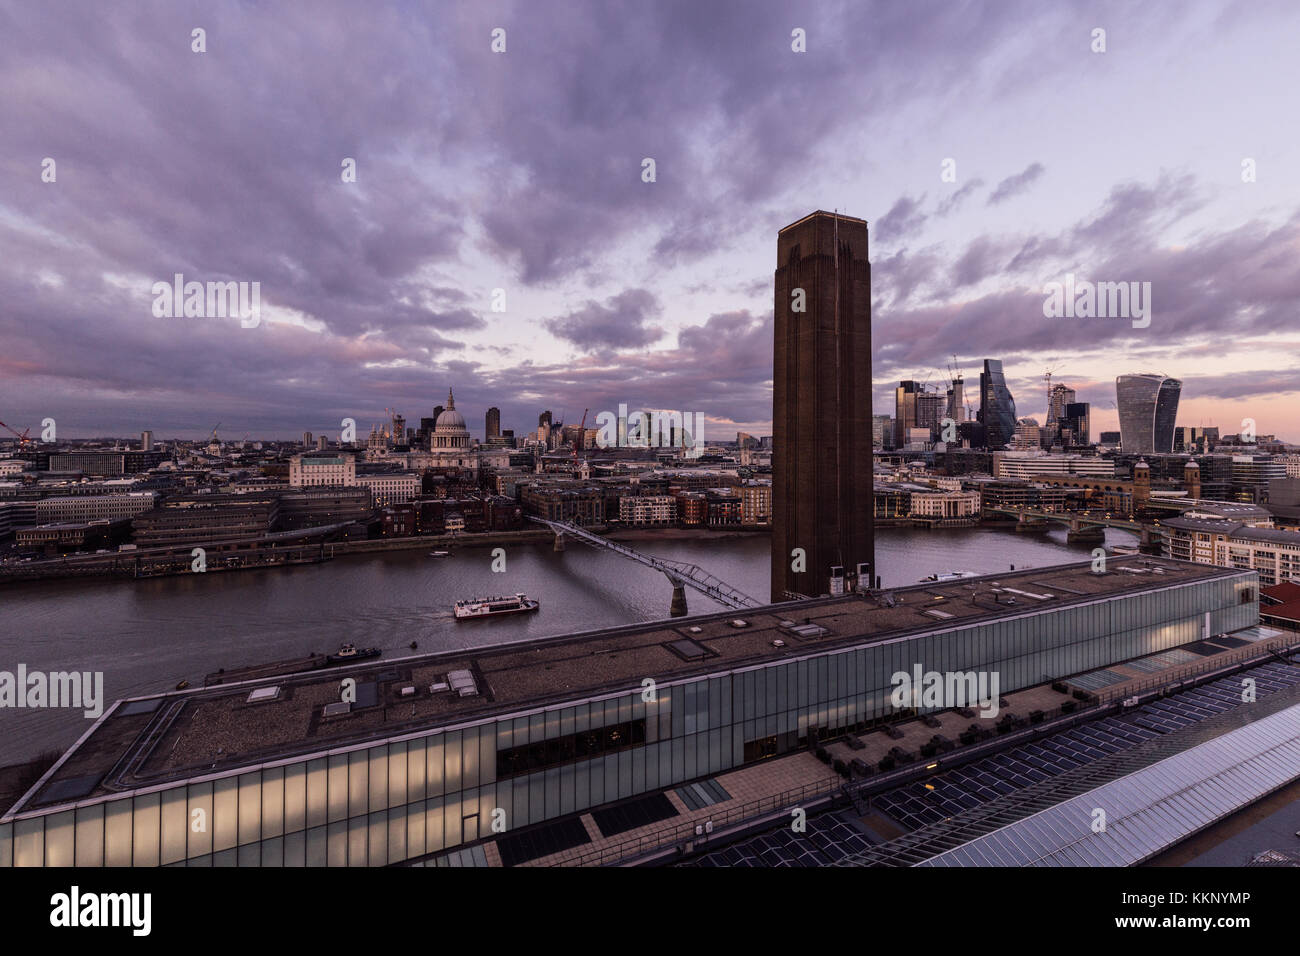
(147, 635)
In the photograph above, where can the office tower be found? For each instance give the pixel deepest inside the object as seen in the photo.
(930, 409)
(306, 440)
(1148, 406)
(904, 411)
(545, 419)
(1198, 439)
(320, 442)
(957, 399)
(822, 499)
(1074, 426)
(424, 434)
(1029, 434)
(1058, 398)
(882, 432)
(997, 406)
(493, 428)
(146, 441)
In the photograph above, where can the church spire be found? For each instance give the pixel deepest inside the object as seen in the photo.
(451, 402)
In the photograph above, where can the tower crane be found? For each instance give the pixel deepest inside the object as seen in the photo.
(1053, 366)
(22, 436)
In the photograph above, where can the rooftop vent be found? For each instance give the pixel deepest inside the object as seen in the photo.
(264, 694)
(337, 709)
(689, 650)
(809, 630)
(462, 682)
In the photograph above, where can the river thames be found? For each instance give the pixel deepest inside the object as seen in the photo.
(145, 636)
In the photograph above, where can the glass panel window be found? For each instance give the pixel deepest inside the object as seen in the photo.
(225, 813)
(200, 819)
(250, 808)
(60, 832)
(90, 835)
(117, 833)
(146, 828)
(175, 824)
(295, 797)
(272, 802)
(29, 841)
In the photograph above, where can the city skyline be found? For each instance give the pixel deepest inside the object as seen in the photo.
(378, 293)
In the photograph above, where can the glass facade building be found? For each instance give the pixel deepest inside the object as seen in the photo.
(1148, 406)
(390, 800)
(997, 407)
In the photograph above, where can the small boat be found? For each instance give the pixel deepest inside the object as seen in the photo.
(948, 576)
(350, 653)
(182, 685)
(493, 606)
(439, 554)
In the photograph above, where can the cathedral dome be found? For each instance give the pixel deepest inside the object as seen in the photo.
(450, 419)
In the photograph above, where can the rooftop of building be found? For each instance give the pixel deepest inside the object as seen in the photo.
(1225, 509)
(825, 214)
(1280, 593)
(178, 735)
(1235, 529)
(1287, 611)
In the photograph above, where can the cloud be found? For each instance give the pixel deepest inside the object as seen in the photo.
(951, 203)
(1017, 184)
(621, 322)
(903, 219)
(523, 171)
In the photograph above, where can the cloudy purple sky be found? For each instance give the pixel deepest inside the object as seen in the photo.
(522, 171)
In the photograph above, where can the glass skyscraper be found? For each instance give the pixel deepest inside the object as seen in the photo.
(1148, 405)
(997, 406)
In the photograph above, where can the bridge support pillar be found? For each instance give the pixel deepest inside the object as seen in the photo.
(678, 607)
(1086, 534)
(559, 541)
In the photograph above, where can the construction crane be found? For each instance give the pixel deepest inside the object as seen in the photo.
(1053, 366)
(23, 439)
